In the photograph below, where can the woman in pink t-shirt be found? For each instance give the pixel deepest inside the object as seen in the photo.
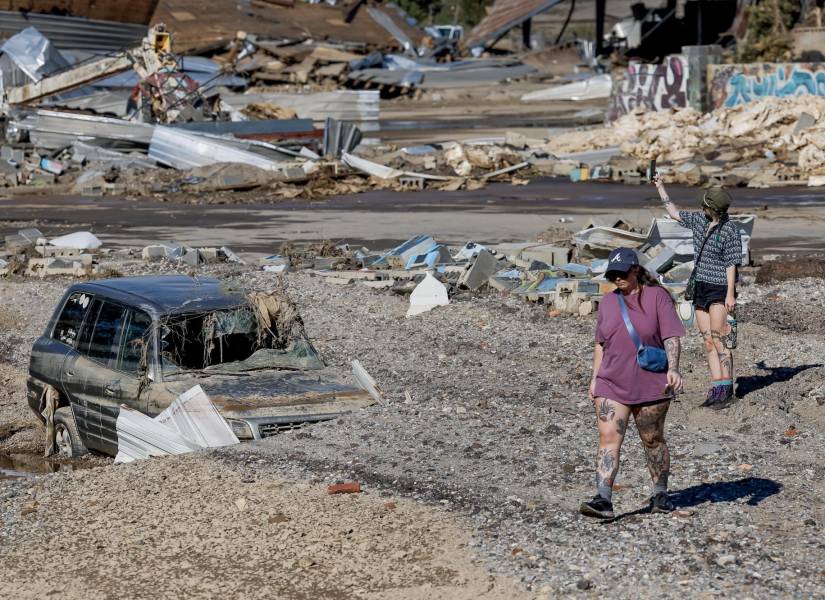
(621, 387)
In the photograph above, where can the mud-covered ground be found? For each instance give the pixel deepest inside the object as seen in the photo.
(485, 465)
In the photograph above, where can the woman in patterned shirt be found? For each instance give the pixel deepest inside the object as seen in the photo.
(715, 271)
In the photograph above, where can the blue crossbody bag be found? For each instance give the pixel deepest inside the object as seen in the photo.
(650, 358)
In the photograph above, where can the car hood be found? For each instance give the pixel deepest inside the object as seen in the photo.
(276, 393)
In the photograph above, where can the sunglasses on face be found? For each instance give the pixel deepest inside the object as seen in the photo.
(612, 276)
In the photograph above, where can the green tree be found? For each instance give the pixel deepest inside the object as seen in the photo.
(446, 12)
(767, 38)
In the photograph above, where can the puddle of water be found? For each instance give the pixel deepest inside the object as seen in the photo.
(16, 466)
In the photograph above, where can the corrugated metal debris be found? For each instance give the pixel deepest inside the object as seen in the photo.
(190, 423)
(71, 33)
(504, 16)
(184, 150)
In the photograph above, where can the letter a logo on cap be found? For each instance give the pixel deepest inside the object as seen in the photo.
(617, 258)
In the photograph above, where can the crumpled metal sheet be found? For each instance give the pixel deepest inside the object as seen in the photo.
(191, 422)
(184, 150)
(382, 171)
(34, 54)
(54, 129)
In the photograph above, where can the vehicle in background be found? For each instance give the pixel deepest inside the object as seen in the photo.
(452, 33)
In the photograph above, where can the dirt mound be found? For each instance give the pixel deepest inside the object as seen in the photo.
(783, 270)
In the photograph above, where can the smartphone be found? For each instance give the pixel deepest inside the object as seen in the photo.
(651, 170)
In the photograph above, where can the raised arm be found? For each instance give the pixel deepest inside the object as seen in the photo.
(666, 201)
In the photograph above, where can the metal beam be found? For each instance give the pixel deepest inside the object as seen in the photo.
(70, 79)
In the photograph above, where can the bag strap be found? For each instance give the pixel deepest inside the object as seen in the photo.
(702, 248)
(630, 329)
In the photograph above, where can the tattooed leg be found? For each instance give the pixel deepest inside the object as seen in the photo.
(718, 324)
(703, 323)
(650, 421)
(612, 419)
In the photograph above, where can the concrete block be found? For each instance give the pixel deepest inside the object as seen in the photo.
(57, 252)
(209, 255)
(326, 262)
(12, 155)
(568, 301)
(577, 286)
(192, 258)
(41, 179)
(484, 266)
(152, 253)
(662, 261)
(502, 284)
(546, 253)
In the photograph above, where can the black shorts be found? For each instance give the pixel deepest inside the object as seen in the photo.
(706, 294)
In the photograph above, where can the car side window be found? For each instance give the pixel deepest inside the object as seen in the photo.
(134, 341)
(101, 334)
(67, 328)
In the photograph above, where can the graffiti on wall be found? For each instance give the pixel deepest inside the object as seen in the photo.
(731, 85)
(652, 87)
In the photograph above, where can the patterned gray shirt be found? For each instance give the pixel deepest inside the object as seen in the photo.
(723, 249)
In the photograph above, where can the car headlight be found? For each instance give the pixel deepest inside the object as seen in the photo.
(241, 429)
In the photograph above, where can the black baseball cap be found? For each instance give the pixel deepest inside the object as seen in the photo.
(621, 260)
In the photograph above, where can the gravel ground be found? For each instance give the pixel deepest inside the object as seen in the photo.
(497, 441)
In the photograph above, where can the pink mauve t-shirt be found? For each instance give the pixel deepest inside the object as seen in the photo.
(620, 377)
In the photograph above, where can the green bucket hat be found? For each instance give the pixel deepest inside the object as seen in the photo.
(716, 199)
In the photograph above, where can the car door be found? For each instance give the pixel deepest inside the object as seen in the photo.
(89, 377)
(133, 355)
(51, 349)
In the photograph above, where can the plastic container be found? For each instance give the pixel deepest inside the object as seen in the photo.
(686, 313)
(730, 338)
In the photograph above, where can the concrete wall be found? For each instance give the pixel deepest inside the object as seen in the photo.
(653, 87)
(731, 85)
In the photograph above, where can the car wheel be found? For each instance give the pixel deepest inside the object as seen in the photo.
(66, 434)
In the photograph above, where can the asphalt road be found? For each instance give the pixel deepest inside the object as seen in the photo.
(790, 219)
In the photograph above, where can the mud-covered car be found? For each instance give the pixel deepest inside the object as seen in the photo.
(143, 341)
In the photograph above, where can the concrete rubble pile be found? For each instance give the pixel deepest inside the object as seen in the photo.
(768, 143)
(29, 253)
(566, 275)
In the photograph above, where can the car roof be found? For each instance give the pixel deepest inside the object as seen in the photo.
(166, 294)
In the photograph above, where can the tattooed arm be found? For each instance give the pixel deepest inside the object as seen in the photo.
(666, 201)
(673, 348)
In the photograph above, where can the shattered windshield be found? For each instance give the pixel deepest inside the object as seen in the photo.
(235, 340)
